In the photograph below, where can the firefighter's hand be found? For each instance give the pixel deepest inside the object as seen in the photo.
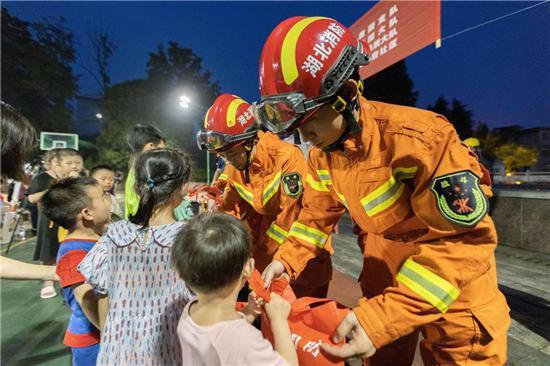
(359, 344)
(273, 270)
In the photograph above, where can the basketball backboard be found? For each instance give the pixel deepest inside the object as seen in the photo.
(54, 140)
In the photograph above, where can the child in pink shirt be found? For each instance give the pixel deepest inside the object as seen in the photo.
(212, 254)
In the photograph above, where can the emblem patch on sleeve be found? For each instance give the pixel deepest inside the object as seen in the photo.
(292, 184)
(459, 198)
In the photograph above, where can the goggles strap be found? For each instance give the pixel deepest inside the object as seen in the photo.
(339, 104)
(249, 157)
(360, 87)
(352, 126)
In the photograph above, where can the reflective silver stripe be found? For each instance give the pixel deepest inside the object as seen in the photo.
(324, 176)
(318, 186)
(271, 188)
(309, 234)
(276, 233)
(432, 288)
(386, 194)
(246, 195)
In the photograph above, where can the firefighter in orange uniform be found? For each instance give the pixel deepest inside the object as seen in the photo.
(264, 185)
(417, 194)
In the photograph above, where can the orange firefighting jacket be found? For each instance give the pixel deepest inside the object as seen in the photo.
(405, 177)
(221, 182)
(271, 202)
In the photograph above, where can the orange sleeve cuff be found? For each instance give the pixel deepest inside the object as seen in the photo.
(293, 265)
(288, 269)
(376, 325)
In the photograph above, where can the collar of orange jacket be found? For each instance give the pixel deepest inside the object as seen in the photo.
(266, 140)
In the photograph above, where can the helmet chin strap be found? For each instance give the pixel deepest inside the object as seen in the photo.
(346, 109)
(352, 127)
(248, 148)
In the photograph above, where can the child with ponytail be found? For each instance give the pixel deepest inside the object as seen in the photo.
(141, 296)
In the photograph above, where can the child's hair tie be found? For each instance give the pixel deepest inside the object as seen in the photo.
(150, 183)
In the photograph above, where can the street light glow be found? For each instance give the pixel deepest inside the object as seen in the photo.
(98, 116)
(184, 101)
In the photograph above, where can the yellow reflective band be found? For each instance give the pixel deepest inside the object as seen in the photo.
(289, 68)
(432, 288)
(206, 117)
(222, 177)
(389, 192)
(309, 234)
(324, 176)
(271, 188)
(318, 186)
(246, 195)
(232, 112)
(342, 198)
(276, 233)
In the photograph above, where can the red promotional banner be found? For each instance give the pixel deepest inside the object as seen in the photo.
(397, 29)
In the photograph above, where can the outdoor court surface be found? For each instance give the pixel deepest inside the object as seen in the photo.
(32, 329)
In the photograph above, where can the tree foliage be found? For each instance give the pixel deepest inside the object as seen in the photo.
(37, 75)
(171, 72)
(515, 156)
(392, 85)
(457, 114)
(482, 130)
(103, 46)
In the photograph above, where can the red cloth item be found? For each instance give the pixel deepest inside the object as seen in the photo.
(66, 268)
(81, 340)
(312, 321)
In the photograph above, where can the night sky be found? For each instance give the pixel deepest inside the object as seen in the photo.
(500, 71)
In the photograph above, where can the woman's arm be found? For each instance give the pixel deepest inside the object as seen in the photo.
(15, 270)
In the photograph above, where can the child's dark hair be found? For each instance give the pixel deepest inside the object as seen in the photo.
(211, 250)
(141, 135)
(159, 173)
(49, 155)
(102, 167)
(65, 199)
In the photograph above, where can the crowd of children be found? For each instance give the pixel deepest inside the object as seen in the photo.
(127, 282)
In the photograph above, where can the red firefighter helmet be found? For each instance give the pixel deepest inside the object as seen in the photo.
(227, 122)
(304, 63)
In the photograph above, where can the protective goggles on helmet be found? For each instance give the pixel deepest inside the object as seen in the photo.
(212, 140)
(282, 112)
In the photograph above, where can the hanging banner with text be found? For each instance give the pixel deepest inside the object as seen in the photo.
(396, 29)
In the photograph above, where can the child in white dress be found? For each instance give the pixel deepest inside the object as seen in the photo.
(130, 268)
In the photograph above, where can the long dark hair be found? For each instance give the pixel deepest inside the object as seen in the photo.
(159, 173)
(18, 142)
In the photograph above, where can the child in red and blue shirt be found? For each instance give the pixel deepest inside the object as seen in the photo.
(79, 205)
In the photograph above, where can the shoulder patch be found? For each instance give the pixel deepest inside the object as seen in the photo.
(292, 184)
(459, 198)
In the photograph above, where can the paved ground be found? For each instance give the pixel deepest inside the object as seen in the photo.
(524, 278)
(32, 329)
